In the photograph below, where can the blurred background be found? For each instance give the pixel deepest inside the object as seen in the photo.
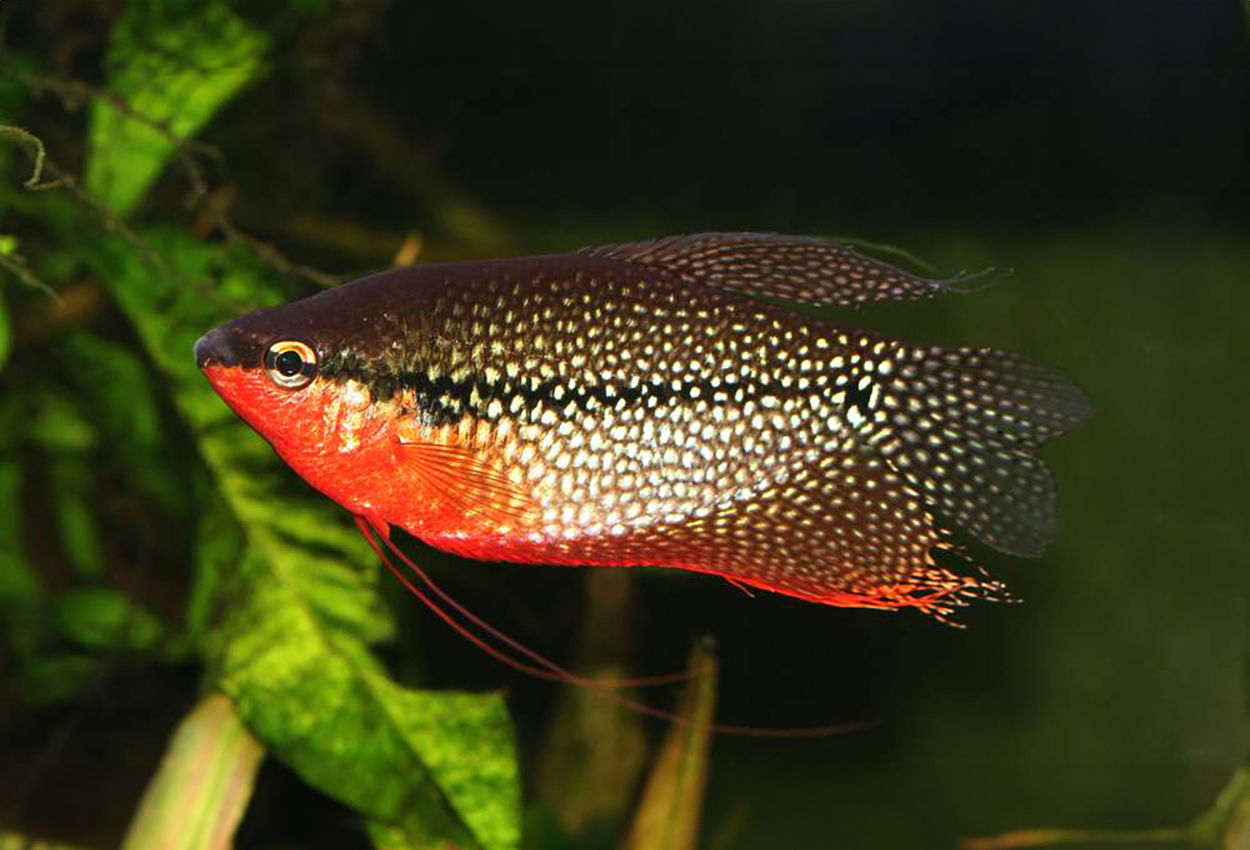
(1099, 150)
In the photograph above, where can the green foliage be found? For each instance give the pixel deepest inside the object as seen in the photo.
(112, 381)
(1112, 696)
(285, 609)
(46, 672)
(198, 796)
(297, 608)
(671, 808)
(73, 502)
(173, 66)
(105, 618)
(60, 427)
(58, 424)
(20, 594)
(285, 603)
(6, 333)
(14, 841)
(35, 182)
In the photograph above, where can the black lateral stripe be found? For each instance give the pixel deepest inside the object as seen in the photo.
(444, 401)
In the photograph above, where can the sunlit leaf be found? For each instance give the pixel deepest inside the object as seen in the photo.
(198, 796)
(175, 65)
(436, 766)
(286, 603)
(294, 606)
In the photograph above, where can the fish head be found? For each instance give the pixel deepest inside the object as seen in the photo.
(268, 376)
(282, 371)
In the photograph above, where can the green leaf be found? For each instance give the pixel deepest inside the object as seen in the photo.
(438, 767)
(74, 498)
(104, 618)
(288, 587)
(16, 841)
(19, 590)
(55, 677)
(43, 675)
(6, 335)
(115, 386)
(175, 65)
(58, 425)
(672, 801)
(586, 778)
(1223, 826)
(198, 796)
(21, 597)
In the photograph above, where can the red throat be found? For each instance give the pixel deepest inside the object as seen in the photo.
(360, 454)
(326, 432)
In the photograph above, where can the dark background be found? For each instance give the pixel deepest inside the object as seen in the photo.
(1100, 150)
(1019, 115)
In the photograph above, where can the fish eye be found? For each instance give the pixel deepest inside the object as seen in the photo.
(291, 364)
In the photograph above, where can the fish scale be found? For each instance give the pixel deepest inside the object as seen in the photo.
(640, 404)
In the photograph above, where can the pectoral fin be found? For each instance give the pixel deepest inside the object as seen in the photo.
(463, 482)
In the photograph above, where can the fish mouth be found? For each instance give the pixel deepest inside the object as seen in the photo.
(217, 348)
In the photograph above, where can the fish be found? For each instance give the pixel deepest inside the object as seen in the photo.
(666, 403)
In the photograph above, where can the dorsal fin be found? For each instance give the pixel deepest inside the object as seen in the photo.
(794, 268)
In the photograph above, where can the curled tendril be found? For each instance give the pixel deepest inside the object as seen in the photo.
(34, 145)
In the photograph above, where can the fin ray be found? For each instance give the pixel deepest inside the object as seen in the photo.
(800, 269)
(465, 482)
(962, 428)
(839, 528)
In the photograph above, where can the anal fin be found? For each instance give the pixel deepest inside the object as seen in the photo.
(839, 528)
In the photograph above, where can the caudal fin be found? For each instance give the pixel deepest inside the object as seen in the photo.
(962, 426)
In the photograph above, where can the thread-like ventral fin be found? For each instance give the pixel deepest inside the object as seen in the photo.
(799, 269)
(961, 426)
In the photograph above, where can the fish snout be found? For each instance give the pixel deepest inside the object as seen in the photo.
(216, 348)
